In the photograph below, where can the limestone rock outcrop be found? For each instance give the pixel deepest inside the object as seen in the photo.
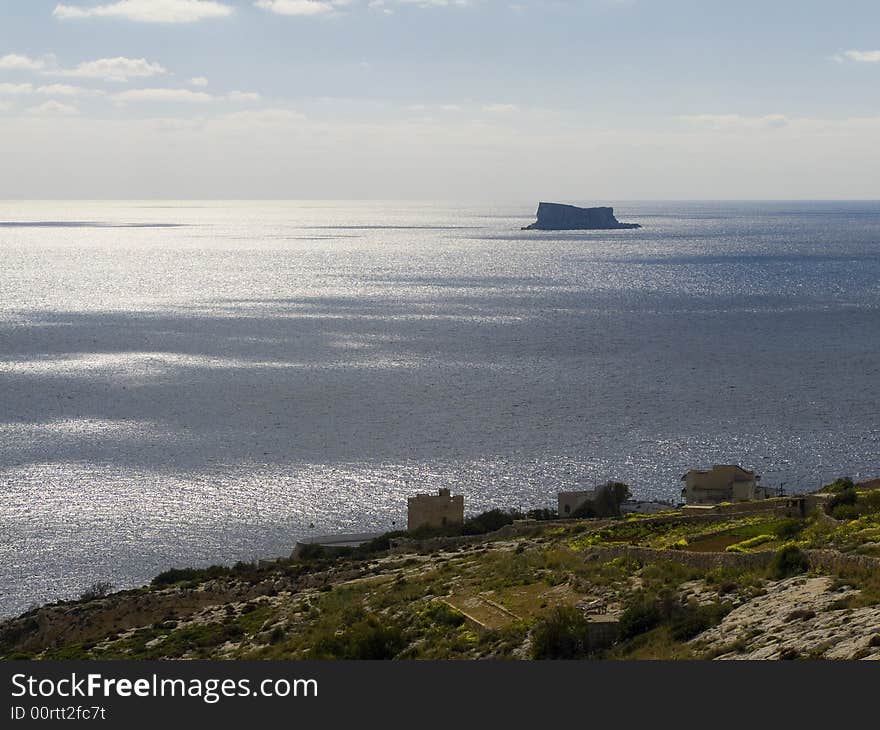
(560, 217)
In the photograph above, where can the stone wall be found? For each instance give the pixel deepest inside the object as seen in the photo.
(703, 561)
(832, 560)
(827, 560)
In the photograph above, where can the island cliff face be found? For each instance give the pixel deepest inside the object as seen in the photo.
(559, 217)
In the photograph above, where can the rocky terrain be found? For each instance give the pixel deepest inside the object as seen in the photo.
(738, 586)
(797, 618)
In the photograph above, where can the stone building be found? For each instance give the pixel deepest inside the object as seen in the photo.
(721, 483)
(434, 510)
(570, 502)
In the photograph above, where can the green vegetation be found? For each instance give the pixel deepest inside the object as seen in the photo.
(606, 503)
(789, 561)
(566, 634)
(752, 542)
(539, 592)
(840, 485)
(96, 590)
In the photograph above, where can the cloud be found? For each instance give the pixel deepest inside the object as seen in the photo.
(163, 95)
(199, 81)
(424, 3)
(108, 69)
(114, 69)
(16, 89)
(297, 7)
(186, 96)
(736, 122)
(858, 56)
(52, 108)
(66, 90)
(242, 96)
(247, 122)
(148, 11)
(500, 108)
(47, 90)
(16, 62)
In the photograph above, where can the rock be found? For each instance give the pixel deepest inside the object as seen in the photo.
(797, 617)
(559, 217)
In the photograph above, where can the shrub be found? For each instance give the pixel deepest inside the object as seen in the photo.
(311, 551)
(640, 616)
(647, 612)
(788, 529)
(693, 620)
(178, 575)
(844, 496)
(379, 544)
(368, 638)
(493, 519)
(846, 512)
(564, 634)
(586, 510)
(440, 613)
(788, 561)
(839, 485)
(96, 590)
(607, 501)
(746, 545)
(872, 501)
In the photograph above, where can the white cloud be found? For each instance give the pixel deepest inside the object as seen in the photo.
(66, 90)
(52, 107)
(736, 122)
(858, 56)
(114, 69)
(17, 62)
(277, 153)
(163, 95)
(199, 81)
(186, 96)
(242, 96)
(247, 122)
(148, 11)
(16, 89)
(296, 7)
(500, 108)
(427, 3)
(47, 90)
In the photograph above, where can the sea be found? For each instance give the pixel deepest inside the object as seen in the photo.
(191, 383)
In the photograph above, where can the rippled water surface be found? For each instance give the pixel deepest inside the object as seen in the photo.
(192, 383)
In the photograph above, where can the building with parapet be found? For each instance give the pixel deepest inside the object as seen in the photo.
(721, 483)
(570, 502)
(434, 510)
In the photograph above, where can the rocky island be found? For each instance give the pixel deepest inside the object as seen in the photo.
(560, 217)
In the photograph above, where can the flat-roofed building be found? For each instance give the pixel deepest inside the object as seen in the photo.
(434, 510)
(721, 483)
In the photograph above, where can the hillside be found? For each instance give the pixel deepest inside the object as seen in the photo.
(673, 586)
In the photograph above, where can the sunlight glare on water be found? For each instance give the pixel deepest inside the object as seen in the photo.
(193, 383)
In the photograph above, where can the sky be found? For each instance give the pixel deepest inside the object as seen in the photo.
(440, 99)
